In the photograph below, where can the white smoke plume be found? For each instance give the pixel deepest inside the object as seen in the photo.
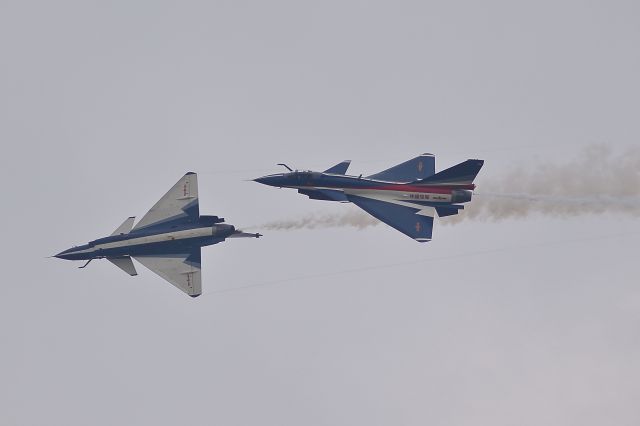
(350, 218)
(597, 182)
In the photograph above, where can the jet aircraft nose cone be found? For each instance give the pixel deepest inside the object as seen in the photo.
(63, 254)
(271, 180)
(74, 253)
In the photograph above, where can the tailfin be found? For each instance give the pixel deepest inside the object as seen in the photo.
(460, 174)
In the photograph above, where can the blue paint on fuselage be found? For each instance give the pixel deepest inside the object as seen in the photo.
(309, 181)
(331, 187)
(316, 179)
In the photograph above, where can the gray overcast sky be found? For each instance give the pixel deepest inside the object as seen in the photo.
(104, 105)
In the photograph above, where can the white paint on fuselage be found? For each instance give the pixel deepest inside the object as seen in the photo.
(150, 239)
(386, 195)
(392, 198)
(400, 198)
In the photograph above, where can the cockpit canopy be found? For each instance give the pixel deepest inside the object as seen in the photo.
(306, 176)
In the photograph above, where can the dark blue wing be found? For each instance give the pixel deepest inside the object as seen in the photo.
(404, 219)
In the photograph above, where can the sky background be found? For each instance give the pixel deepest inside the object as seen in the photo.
(104, 105)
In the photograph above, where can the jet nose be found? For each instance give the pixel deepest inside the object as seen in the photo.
(74, 253)
(272, 180)
(63, 254)
(263, 180)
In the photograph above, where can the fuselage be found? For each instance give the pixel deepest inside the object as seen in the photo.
(153, 241)
(420, 194)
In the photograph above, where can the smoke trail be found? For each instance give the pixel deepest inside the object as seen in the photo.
(597, 182)
(354, 219)
(496, 207)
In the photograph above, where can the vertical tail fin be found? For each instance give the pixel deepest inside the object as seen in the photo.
(463, 173)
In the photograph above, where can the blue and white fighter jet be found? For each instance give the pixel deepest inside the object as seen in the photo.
(406, 196)
(166, 240)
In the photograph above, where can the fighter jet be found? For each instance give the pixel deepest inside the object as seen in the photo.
(166, 240)
(405, 197)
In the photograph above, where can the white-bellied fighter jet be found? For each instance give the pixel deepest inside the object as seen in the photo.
(166, 240)
(405, 197)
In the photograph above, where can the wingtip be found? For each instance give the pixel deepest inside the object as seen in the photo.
(422, 240)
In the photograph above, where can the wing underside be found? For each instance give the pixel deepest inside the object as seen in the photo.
(183, 270)
(178, 205)
(412, 222)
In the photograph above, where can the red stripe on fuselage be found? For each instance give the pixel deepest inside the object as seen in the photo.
(418, 188)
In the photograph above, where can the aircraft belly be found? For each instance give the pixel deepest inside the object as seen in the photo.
(160, 248)
(159, 238)
(169, 242)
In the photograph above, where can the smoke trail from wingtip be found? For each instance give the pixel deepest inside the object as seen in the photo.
(597, 182)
